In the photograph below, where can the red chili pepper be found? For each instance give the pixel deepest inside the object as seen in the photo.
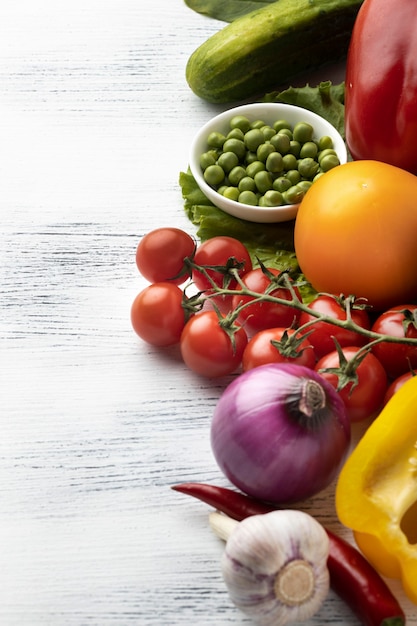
(381, 85)
(351, 576)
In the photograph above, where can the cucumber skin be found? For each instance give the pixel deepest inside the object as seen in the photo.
(267, 48)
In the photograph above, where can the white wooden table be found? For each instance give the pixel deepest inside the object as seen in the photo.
(95, 124)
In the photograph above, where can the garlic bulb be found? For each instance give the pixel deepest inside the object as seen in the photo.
(275, 565)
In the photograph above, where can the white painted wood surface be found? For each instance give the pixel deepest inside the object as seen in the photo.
(95, 123)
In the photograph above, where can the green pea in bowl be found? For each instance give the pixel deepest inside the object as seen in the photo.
(257, 161)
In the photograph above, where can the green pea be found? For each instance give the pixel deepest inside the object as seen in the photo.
(235, 145)
(281, 142)
(303, 132)
(253, 139)
(214, 175)
(222, 189)
(250, 157)
(295, 148)
(304, 185)
(246, 184)
(308, 167)
(262, 202)
(274, 163)
(289, 162)
(309, 149)
(257, 124)
(206, 159)
(215, 153)
(329, 162)
(280, 124)
(267, 132)
(235, 133)
(248, 197)
(282, 183)
(293, 195)
(236, 174)
(263, 181)
(241, 122)
(326, 152)
(227, 161)
(232, 193)
(254, 168)
(325, 142)
(263, 151)
(216, 140)
(287, 131)
(273, 198)
(293, 176)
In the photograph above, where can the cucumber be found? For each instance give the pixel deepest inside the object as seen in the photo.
(267, 48)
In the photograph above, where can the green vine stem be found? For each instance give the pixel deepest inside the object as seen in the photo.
(231, 271)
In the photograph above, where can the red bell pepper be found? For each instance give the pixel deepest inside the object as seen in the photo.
(381, 84)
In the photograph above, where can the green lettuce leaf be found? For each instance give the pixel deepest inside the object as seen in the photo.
(326, 99)
(263, 239)
(272, 244)
(226, 10)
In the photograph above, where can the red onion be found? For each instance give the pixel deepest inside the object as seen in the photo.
(280, 432)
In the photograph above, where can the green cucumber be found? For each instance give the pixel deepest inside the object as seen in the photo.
(267, 48)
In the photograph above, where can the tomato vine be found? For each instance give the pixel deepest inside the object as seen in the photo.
(283, 280)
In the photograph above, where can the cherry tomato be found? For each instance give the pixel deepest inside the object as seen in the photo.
(397, 384)
(261, 315)
(397, 358)
(355, 233)
(261, 349)
(160, 255)
(365, 399)
(321, 337)
(157, 314)
(216, 252)
(206, 347)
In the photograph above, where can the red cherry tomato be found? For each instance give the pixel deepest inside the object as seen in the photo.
(397, 384)
(218, 251)
(321, 337)
(261, 349)
(365, 399)
(207, 348)
(397, 358)
(261, 315)
(157, 314)
(160, 255)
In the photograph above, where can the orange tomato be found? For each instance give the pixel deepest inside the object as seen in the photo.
(356, 233)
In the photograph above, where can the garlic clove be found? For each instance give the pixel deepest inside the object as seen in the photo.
(222, 525)
(275, 565)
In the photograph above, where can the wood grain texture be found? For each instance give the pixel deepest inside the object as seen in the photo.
(95, 125)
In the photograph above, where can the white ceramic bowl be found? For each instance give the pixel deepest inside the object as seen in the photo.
(269, 113)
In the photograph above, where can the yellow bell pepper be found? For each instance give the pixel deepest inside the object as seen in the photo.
(376, 493)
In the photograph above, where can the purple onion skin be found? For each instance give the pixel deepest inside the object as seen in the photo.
(264, 450)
